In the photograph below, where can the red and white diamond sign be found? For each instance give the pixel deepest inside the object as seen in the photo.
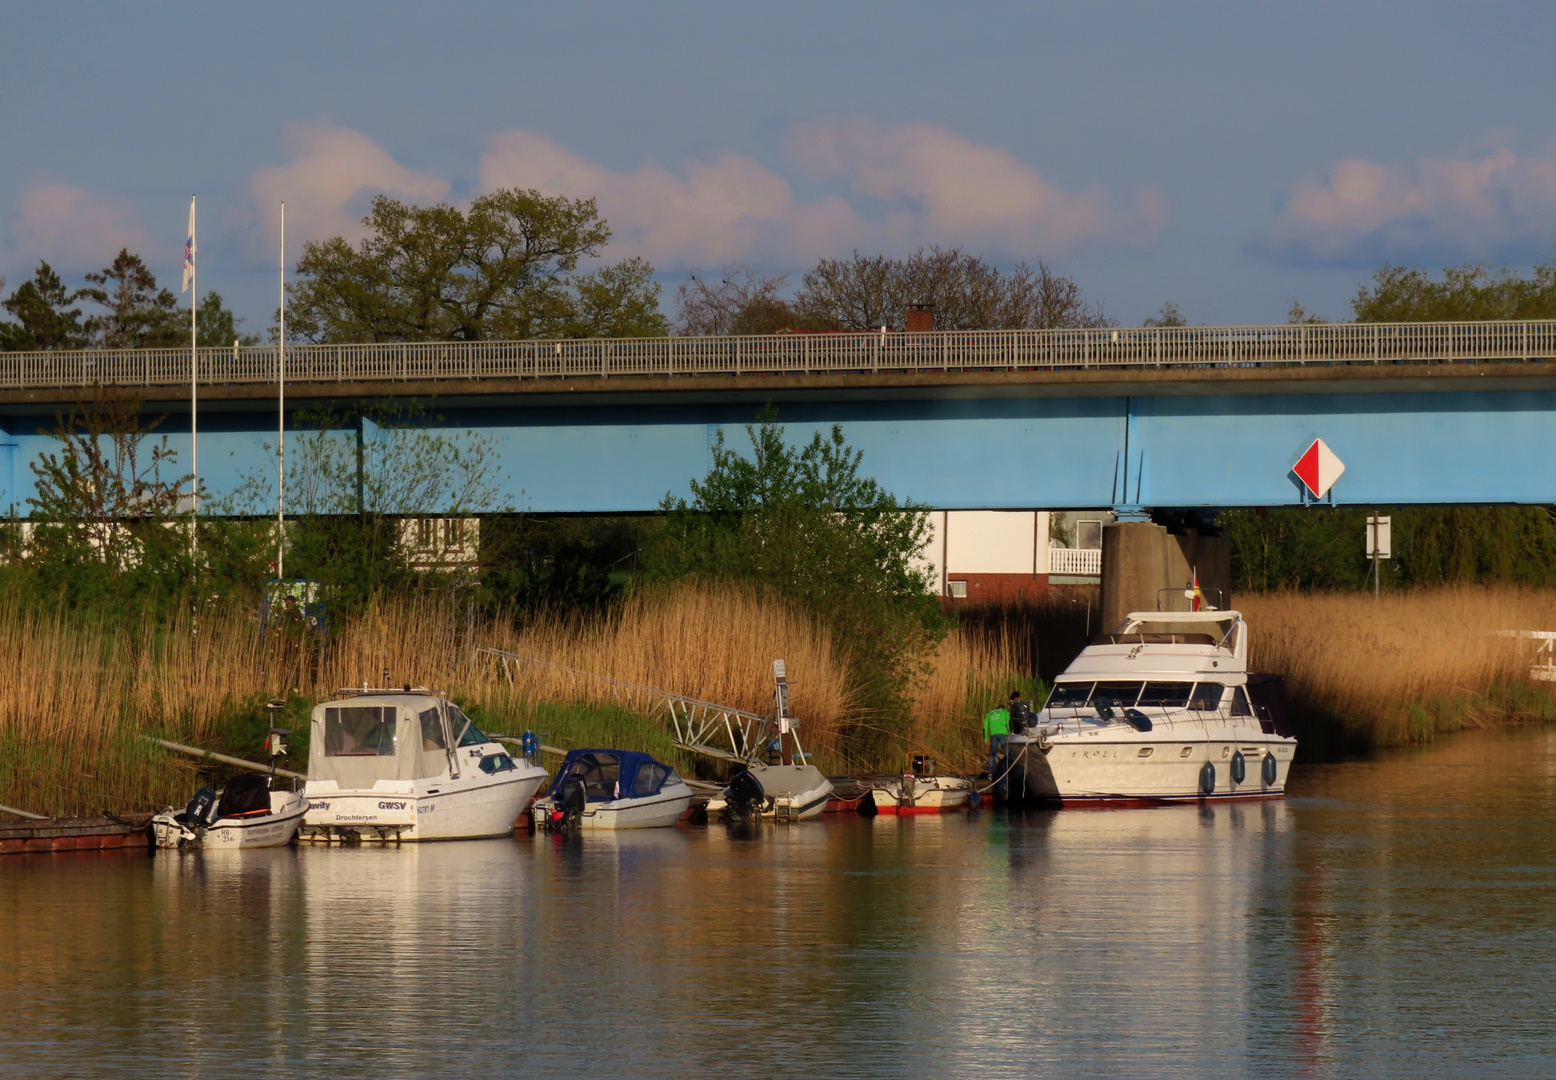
(1318, 468)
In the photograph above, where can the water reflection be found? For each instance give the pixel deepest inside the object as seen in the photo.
(1393, 917)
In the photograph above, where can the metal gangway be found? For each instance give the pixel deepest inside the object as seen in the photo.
(695, 725)
(798, 354)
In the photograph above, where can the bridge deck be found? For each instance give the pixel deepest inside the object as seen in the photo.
(1182, 350)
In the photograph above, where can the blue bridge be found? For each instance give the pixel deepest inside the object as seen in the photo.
(1127, 419)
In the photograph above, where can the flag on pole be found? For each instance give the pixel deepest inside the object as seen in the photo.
(1197, 596)
(189, 249)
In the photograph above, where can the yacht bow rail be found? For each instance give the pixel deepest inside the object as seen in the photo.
(695, 724)
(801, 354)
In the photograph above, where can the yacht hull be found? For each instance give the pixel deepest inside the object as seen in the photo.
(1097, 772)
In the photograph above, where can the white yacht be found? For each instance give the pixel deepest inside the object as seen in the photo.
(1162, 710)
(386, 765)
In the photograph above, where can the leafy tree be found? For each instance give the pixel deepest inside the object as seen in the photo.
(216, 327)
(1322, 549)
(865, 293)
(802, 521)
(1168, 315)
(502, 270)
(1465, 293)
(1299, 316)
(564, 563)
(350, 479)
(138, 314)
(44, 316)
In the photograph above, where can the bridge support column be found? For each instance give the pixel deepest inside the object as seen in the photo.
(1145, 567)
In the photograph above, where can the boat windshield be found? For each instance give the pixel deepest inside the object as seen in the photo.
(1070, 695)
(465, 733)
(1207, 696)
(359, 731)
(1118, 694)
(599, 773)
(1166, 695)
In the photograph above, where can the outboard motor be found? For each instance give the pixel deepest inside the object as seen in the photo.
(201, 808)
(571, 799)
(744, 797)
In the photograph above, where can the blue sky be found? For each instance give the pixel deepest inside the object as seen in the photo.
(1228, 157)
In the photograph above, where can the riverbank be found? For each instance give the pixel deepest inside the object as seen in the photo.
(82, 691)
(1363, 673)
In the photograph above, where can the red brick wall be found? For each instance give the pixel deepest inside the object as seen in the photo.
(989, 588)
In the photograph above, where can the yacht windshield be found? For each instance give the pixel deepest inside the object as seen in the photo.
(1118, 694)
(1207, 696)
(1166, 695)
(1069, 695)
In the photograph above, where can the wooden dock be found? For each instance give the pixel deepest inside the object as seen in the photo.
(132, 831)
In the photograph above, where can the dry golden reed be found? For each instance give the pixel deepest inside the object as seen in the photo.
(81, 692)
(1376, 665)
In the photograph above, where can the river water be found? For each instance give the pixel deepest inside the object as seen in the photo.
(1393, 917)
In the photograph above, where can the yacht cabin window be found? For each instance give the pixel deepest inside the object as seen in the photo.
(359, 731)
(1207, 696)
(1069, 695)
(1240, 702)
(1121, 694)
(496, 763)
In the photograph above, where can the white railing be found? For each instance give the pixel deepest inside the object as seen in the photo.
(1081, 561)
(803, 354)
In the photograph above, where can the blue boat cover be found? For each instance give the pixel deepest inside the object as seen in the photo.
(614, 774)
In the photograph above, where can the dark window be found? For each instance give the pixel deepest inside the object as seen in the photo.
(495, 763)
(1088, 535)
(599, 773)
(1122, 694)
(1069, 695)
(432, 731)
(1240, 702)
(359, 731)
(1166, 695)
(1207, 696)
(465, 733)
(649, 780)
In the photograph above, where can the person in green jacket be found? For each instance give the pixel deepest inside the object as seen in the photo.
(996, 733)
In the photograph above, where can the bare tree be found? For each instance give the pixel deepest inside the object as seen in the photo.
(966, 292)
(740, 303)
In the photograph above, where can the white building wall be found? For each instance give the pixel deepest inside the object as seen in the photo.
(985, 542)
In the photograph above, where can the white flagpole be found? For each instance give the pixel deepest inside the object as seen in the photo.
(194, 371)
(281, 396)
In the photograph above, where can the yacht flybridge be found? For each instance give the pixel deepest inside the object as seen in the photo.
(388, 765)
(1162, 710)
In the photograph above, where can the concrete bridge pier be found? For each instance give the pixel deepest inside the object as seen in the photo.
(1147, 567)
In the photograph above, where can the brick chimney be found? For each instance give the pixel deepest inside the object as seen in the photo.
(921, 317)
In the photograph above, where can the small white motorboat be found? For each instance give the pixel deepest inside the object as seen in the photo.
(244, 814)
(408, 765)
(1162, 710)
(774, 792)
(921, 794)
(612, 789)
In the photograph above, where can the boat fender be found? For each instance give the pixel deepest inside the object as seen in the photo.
(1207, 778)
(1137, 719)
(1270, 770)
(974, 800)
(867, 807)
(1239, 767)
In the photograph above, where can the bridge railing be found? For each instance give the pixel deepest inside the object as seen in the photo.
(801, 354)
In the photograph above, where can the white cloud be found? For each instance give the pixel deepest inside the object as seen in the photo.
(72, 229)
(333, 174)
(1498, 207)
(937, 187)
(947, 189)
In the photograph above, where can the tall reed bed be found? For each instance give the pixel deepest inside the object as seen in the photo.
(1404, 667)
(81, 691)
